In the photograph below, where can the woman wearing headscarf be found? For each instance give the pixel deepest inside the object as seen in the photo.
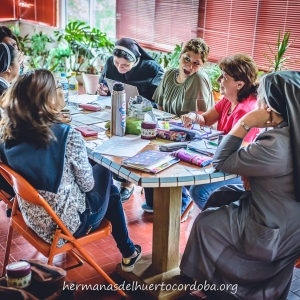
(251, 245)
(9, 66)
(131, 64)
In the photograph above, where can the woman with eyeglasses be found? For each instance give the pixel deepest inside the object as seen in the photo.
(52, 157)
(251, 243)
(238, 87)
(185, 89)
(131, 64)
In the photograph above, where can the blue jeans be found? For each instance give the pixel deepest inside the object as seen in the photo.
(149, 197)
(200, 193)
(104, 201)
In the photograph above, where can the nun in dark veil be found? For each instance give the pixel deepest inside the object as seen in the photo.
(248, 247)
(131, 64)
(9, 66)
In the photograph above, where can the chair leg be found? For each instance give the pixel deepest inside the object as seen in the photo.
(92, 263)
(187, 210)
(7, 250)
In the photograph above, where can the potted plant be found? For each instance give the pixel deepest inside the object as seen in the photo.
(214, 72)
(85, 43)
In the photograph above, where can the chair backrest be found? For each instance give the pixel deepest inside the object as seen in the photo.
(29, 194)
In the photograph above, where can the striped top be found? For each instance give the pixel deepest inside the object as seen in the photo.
(181, 98)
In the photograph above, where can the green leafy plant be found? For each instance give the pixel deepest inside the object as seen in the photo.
(214, 72)
(168, 60)
(277, 61)
(85, 43)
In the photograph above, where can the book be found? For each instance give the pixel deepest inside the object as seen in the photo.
(145, 158)
(205, 147)
(158, 166)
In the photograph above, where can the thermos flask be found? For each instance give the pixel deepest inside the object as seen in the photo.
(118, 110)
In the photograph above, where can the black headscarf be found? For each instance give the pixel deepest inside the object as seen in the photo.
(282, 90)
(132, 48)
(5, 57)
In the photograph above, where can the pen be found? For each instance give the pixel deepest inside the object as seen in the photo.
(213, 143)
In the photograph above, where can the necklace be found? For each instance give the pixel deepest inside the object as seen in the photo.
(231, 108)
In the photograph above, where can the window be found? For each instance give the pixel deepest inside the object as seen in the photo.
(157, 24)
(228, 26)
(100, 14)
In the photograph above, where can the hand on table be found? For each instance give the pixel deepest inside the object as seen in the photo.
(188, 119)
(102, 89)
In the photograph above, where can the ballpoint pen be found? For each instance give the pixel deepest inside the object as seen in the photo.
(213, 143)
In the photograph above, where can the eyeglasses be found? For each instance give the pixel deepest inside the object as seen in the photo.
(59, 85)
(205, 131)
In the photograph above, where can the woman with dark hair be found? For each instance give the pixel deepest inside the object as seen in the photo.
(52, 157)
(8, 37)
(131, 64)
(9, 66)
(239, 88)
(252, 241)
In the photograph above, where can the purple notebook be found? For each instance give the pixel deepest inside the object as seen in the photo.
(145, 158)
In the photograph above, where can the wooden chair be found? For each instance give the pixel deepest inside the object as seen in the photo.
(24, 190)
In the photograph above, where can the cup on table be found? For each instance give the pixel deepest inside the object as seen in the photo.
(65, 115)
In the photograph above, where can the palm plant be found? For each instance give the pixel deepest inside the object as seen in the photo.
(278, 62)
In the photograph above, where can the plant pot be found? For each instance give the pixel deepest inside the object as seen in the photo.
(79, 78)
(91, 83)
(217, 96)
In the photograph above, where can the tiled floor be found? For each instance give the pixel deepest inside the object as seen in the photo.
(106, 253)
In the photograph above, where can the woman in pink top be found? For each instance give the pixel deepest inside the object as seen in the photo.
(238, 86)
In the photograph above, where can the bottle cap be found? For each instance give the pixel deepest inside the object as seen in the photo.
(118, 86)
(63, 74)
(73, 73)
(18, 269)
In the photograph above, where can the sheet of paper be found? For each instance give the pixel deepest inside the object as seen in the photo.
(123, 146)
(102, 100)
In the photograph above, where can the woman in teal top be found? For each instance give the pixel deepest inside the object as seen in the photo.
(187, 88)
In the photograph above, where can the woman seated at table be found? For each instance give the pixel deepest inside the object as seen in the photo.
(52, 157)
(9, 38)
(253, 243)
(131, 64)
(238, 86)
(9, 65)
(187, 88)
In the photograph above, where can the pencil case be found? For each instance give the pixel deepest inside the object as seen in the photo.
(176, 136)
(193, 158)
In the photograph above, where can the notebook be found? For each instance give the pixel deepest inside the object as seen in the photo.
(150, 161)
(205, 147)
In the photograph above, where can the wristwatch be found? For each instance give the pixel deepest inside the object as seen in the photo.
(246, 127)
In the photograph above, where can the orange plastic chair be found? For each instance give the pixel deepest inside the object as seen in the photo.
(24, 190)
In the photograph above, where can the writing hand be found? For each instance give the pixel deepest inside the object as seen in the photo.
(188, 119)
(102, 89)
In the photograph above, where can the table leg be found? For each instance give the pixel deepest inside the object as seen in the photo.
(161, 268)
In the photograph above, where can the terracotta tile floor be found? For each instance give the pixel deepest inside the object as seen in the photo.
(106, 253)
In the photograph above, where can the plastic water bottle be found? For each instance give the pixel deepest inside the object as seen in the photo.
(73, 90)
(118, 110)
(65, 86)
